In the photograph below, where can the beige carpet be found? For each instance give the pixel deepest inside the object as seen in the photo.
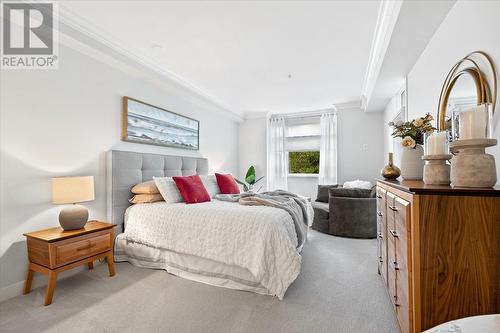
(338, 290)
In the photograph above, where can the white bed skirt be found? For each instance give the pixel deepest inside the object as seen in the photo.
(187, 266)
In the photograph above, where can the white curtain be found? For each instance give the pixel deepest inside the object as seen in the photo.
(277, 160)
(328, 150)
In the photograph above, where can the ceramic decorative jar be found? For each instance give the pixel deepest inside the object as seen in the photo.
(412, 165)
(471, 166)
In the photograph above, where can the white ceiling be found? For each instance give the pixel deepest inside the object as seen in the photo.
(408, 40)
(242, 52)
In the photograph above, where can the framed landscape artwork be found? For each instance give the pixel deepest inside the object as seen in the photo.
(145, 123)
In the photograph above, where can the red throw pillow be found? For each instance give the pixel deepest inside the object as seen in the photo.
(192, 189)
(226, 183)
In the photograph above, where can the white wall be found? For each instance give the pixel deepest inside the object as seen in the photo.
(304, 185)
(62, 122)
(360, 145)
(391, 111)
(252, 149)
(469, 26)
(360, 149)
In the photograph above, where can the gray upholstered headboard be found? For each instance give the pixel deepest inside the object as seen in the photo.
(125, 169)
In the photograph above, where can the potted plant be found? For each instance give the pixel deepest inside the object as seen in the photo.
(412, 139)
(250, 180)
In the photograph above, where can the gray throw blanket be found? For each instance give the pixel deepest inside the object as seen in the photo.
(298, 207)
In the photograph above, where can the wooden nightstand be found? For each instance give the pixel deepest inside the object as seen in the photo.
(54, 250)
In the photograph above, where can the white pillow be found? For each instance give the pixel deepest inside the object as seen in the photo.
(358, 184)
(210, 183)
(168, 189)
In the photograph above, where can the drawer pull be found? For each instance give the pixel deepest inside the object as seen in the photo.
(393, 208)
(380, 214)
(395, 266)
(86, 247)
(380, 235)
(394, 233)
(396, 304)
(379, 196)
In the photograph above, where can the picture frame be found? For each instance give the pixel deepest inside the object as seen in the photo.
(149, 124)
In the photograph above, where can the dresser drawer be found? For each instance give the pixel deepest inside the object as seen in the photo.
(398, 217)
(400, 233)
(381, 200)
(382, 233)
(402, 299)
(401, 210)
(402, 302)
(391, 283)
(390, 209)
(401, 245)
(382, 256)
(67, 252)
(402, 238)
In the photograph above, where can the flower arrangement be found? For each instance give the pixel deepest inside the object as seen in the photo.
(412, 132)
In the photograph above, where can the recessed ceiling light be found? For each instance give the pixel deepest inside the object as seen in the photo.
(289, 76)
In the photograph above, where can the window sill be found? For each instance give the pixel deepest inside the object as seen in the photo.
(303, 175)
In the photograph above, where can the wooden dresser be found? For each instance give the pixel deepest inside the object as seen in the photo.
(439, 250)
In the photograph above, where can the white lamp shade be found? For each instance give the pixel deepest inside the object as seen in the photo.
(67, 190)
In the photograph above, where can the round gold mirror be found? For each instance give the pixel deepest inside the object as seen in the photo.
(465, 87)
(464, 91)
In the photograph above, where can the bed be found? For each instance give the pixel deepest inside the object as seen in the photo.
(252, 248)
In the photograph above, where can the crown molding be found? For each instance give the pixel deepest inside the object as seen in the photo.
(256, 115)
(386, 21)
(353, 105)
(108, 42)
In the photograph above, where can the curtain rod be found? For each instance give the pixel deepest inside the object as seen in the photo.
(306, 114)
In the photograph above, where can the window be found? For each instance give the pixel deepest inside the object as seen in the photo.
(302, 145)
(303, 162)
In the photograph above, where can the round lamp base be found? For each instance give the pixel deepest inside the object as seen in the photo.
(73, 217)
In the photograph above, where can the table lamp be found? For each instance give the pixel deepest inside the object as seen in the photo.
(71, 190)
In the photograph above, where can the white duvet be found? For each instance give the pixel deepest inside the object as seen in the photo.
(259, 238)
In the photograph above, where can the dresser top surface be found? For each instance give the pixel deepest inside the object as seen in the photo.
(57, 233)
(418, 187)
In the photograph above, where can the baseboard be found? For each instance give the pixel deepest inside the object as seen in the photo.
(39, 280)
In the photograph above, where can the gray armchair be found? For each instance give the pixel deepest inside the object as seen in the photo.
(321, 209)
(348, 212)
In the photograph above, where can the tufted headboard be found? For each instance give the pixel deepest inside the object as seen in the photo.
(125, 169)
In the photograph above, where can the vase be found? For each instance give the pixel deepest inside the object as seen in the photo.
(390, 171)
(412, 164)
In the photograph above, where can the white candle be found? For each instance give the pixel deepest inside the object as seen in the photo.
(436, 143)
(472, 123)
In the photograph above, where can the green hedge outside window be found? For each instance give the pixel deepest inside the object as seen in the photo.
(303, 162)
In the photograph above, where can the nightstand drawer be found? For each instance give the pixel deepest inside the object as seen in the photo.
(79, 249)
